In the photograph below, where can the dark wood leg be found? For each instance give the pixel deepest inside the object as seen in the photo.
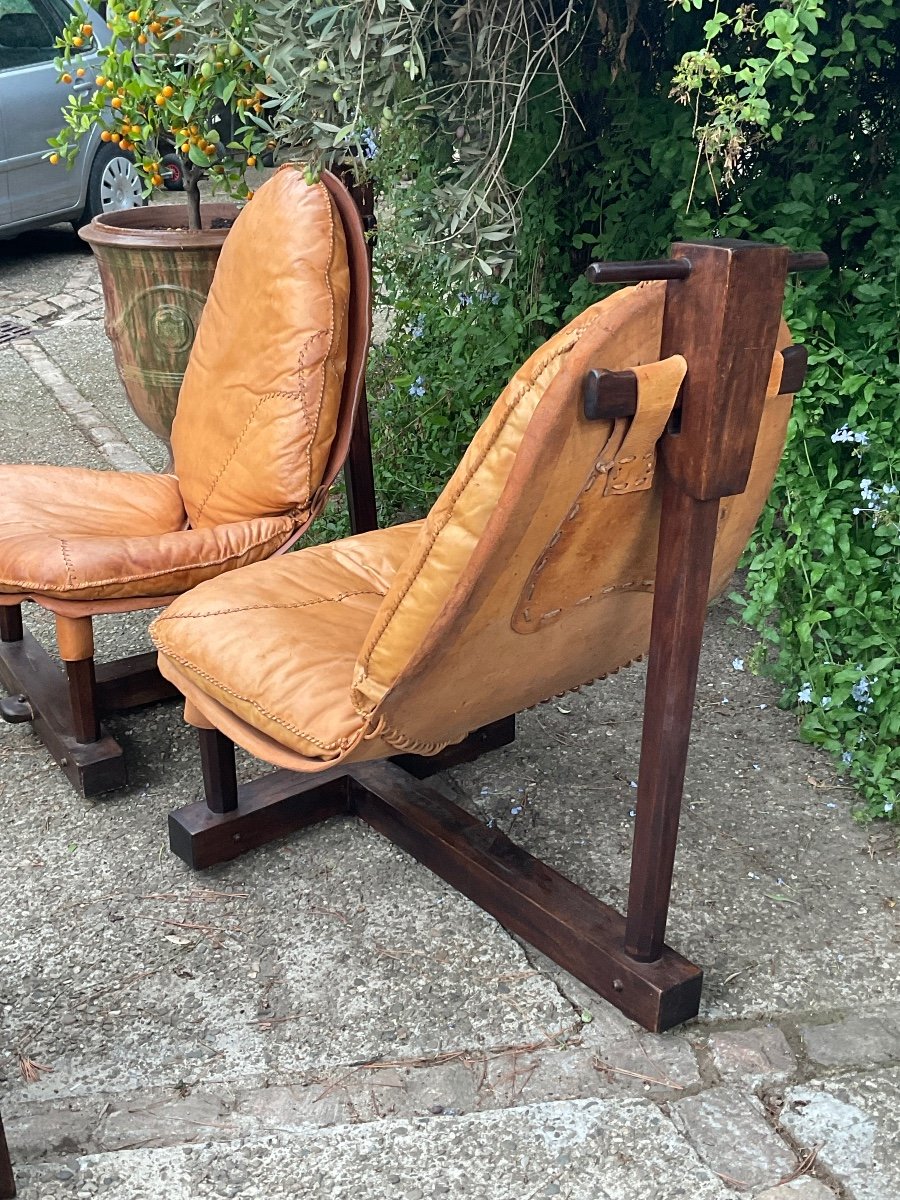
(92, 767)
(679, 611)
(267, 808)
(7, 1183)
(11, 623)
(83, 700)
(219, 771)
(562, 920)
(358, 474)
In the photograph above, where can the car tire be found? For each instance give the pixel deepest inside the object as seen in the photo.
(113, 184)
(172, 173)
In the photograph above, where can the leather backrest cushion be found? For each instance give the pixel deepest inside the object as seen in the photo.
(259, 405)
(457, 520)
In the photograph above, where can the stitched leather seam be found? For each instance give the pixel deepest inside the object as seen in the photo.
(225, 465)
(71, 577)
(340, 744)
(314, 425)
(525, 388)
(226, 612)
(92, 583)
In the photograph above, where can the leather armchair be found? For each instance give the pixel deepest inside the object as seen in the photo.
(263, 425)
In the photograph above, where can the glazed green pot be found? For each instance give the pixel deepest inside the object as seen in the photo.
(156, 275)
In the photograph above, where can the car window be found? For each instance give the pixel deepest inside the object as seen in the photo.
(28, 32)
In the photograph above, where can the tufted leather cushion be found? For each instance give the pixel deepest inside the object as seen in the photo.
(258, 408)
(275, 644)
(65, 531)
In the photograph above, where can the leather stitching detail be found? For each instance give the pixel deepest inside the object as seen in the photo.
(340, 744)
(226, 612)
(71, 577)
(225, 465)
(95, 583)
(314, 424)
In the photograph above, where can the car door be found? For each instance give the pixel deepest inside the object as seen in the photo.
(31, 103)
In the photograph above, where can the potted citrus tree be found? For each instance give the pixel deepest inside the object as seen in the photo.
(164, 96)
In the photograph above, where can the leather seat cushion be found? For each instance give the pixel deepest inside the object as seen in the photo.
(259, 404)
(276, 643)
(88, 535)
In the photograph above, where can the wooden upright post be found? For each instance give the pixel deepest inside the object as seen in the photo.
(7, 1183)
(724, 318)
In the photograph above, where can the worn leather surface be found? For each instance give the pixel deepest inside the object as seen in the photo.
(258, 407)
(113, 534)
(255, 428)
(276, 643)
(529, 576)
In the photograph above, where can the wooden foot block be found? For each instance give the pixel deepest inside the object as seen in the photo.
(268, 808)
(480, 741)
(561, 919)
(91, 767)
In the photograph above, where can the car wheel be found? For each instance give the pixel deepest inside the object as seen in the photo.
(173, 175)
(114, 184)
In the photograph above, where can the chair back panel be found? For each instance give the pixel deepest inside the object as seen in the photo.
(550, 585)
(260, 402)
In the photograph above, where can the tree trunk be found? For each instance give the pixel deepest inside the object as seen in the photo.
(192, 176)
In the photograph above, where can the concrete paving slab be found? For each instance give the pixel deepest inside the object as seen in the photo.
(854, 1120)
(32, 429)
(84, 352)
(589, 1150)
(777, 892)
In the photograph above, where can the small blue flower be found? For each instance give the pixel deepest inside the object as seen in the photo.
(418, 388)
(846, 434)
(826, 702)
(368, 143)
(465, 299)
(738, 664)
(804, 696)
(860, 693)
(847, 757)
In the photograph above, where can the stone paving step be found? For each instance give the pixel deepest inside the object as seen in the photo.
(578, 1150)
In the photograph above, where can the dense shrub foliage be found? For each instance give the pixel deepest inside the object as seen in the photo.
(645, 123)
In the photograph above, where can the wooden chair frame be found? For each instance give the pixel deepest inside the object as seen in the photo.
(7, 1182)
(722, 312)
(65, 709)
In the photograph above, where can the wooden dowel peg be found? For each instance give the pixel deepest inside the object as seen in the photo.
(609, 395)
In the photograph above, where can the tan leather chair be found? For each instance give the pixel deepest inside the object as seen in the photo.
(532, 574)
(263, 426)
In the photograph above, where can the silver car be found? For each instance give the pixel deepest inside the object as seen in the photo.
(34, 191)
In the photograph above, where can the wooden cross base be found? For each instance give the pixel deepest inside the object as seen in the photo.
(40, 693)
(576, 930)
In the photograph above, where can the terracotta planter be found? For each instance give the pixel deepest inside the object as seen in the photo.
(156, 275)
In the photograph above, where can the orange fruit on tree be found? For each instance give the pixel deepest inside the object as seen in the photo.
(87, 30)
(115, 137)
(67, 78)
(142, 39)
(105, 135)
(80, 72)
(156, 180)
(134, 16)
(116, 102)
(160, 99)
(251, 160)
(100, 80)
(168, 91)
(155, 27)
(54, 158)
(185, 147)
